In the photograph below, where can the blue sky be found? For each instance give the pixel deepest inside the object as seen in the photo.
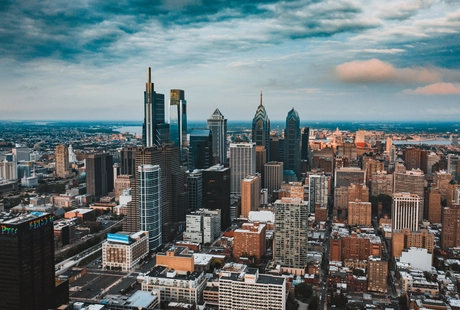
(330, 60)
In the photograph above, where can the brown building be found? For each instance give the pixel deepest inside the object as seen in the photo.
(250, 194)
(359, 213)
(381, 183)
(122, 181)
(177, 258)
(434, 205)
(250, 240)
(404, 239)
(358, 191)
(450, 235)
(62, 161)
(441, 180)
(320, 213)
(261, 159)
(335, 246)
(377, 275)
(411, 181)
(451, 188)
(355, 247)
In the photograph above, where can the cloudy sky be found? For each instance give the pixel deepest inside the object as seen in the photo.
(330, 60)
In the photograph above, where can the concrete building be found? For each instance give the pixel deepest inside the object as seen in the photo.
(290, 240)
(405, 211)
(242, 163)
(433, 200)
(123, 251)
(250, 240)
(450, 234)
(319, 185)
(251, 290)
(177, 258)
(359, 213)
(122, 182)
(273, 176)
(417, 257)
(411, 181)
(8, 170)
(441, 181)
(347, 175)
(250, 194)
(62, 161)
(405, 239)
(203, 226)
(381, 183)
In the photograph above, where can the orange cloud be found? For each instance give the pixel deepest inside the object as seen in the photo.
(377, 71)
(436, 89)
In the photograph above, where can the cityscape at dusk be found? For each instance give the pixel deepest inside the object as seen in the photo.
(230, 155)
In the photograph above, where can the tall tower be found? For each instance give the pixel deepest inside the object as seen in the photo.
(99, 174)
(149, 191)
(273, 176)
(305, 151)
(178, 121)
(216, 192)
(250, 194)
(195, 189)
(261, 128)
(154, 131)
(292, 143)
(218, 126)
(405, 211)
(242, 163)
(62, 161)
(200, 149)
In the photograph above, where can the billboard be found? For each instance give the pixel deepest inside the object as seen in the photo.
(118, 238)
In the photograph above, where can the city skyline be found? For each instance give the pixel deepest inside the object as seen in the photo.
(330, 60)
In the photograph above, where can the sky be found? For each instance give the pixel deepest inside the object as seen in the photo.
(329, 60)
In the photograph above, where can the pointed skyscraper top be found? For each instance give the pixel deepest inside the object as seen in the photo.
(149, 75)
(260, 97)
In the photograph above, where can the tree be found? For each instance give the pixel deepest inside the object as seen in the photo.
(292, 305)
(314, 303)
(303, 290)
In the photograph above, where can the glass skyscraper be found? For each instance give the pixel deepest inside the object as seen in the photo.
(178, 121)
(149, 185)
(261, 128)
(218, 126)
(292, 143)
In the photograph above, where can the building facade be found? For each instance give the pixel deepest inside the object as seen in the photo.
(242, 163)
(123, 251)
(250, 194)
(178, 121)
(62, 161)
(292, 143)
(261, 128)
(218, 126)
(405, 211)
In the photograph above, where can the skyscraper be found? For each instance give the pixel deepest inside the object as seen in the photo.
(405, 211)
(128, 160)
(200, 149)
(305, 151)
(195, 189)
(149, 191)
(62, 161)
(216, 192)
(178, 121)
(218, 126)
(99, 174)
(318, 191)
(27, 262)
(261, 128)
(250, 194)
(292, 143)
(154, 131)
(273, 176)
(242, 163)
(450, 235)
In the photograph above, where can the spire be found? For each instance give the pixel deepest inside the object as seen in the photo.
(260, 97)
(149, 75)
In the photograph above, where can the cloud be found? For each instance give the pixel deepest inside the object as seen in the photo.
(377, 71)
(440, 88)
(405, 10)
(384, 51)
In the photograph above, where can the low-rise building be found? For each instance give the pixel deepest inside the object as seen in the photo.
(122, 251)
(177, 258)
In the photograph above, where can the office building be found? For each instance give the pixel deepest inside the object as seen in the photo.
(261, 128)
(250, 241)
(99, 175)
(149, 191)
(292, 143)
(260, 161)
(21, 153)
(453, 167)
(377, 274)
(411, 181)
(450, 234)
(154, 131)
(319, 185)
(242, 163)
(359, 213)
(195, 189)
(405, 239)
(27, 261)
(433, 199)
(216, 192)
(178, 121)
(218, 126)
(347, 175)
(305, 151)
(250, 194)
(405, 211)
(62, 161)
(273, 176)
(290, 240)
(200, 149)
(251, 290)
(203, 226)
(8, 170)
(412, 158)
(381, 184)
(128, 160)
(123, 251)
(177, 258)
(121, 183)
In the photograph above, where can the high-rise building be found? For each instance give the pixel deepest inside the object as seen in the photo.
(99, 174)
(381, 183)
(250, 240)
(200, 149)
(290, 240)
(347, 175)
(261, 157)
(202, 226)
(292, 143)
(178, 121)
(128, 160)
(412, 158)
(216, 192)
(441, 180)
(305, 151)
(450, 235)
(149, 191)
(154, 131)
(242, 163)
(261, 128)
(359, 213)
(250, 194)
(434, 205)
(405, 211)
(453, 166)
(121, 183)
(377, 275)
(27, 262)
(62, 161)
(195, 189)
(411, 181)
(21, 153)
(319, 185)
(273, 176)
(218, 126)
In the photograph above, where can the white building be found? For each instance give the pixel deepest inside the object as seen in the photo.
(248, 290)
(203, 226)
(123, 251)
(318, 190)
(242, 163)
(405, 211)
(8, 170)
(417, 257)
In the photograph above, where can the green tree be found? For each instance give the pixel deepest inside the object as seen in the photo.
(42, 189)
(303, 290)
(314, 303)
